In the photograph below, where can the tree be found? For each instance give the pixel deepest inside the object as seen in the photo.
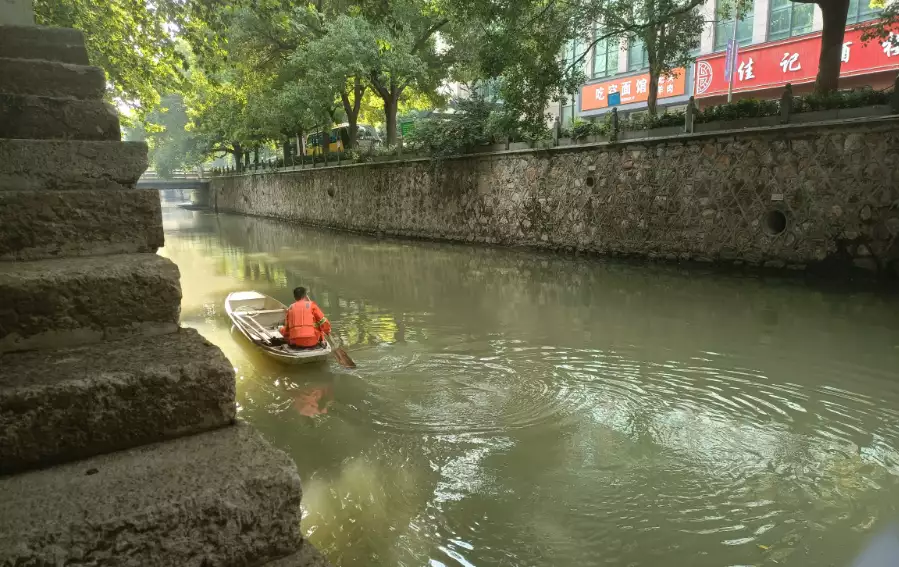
(834, 14)
(130, 40)
(334, 65)
(668, 41)
(400, 50)
(516, 45)
(171, 146)
(219, 115)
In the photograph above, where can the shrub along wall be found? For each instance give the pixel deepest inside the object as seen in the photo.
(790, 196)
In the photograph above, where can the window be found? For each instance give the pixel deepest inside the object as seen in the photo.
(567, 114)
(637, 58)
(574, 50)
(789, 19)
(605, 56)
(488, 89)
(860, 11)
(724, 30)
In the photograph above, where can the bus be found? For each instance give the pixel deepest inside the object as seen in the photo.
(367, 137)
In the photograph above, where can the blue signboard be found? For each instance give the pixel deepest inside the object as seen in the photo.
(614, 99)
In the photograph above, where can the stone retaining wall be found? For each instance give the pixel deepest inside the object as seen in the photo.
(792, 196)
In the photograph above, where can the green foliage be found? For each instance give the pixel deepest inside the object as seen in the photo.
(401, 52)
(516, 46)
(581, 129)
(840, 99)
(130, 40)
(754, 108)
(744, 108)
(172, 147)
(455, 134)
(649, 121)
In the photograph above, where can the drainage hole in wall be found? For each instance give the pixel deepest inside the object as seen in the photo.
(775, 222)
(330, 191)
(591, 181)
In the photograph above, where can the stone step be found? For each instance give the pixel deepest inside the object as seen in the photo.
(74, 301)
(51, 78)
(307, 556)
(61, 405)
(38, 42)
(46, 118)
(35, 225)
(224, 498)
(30, 165)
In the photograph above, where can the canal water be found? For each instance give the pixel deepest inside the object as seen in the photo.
(512, 408)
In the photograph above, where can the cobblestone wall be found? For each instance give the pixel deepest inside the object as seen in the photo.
(792, 196)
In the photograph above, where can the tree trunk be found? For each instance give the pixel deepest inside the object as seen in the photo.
(352, 119)
(326, 143)
(246, 160)
(834, 13)
(390, 109)
(256, 156)
(238, 157)
(654, 37)
(288, 143)
(652, 91)
(351, 108)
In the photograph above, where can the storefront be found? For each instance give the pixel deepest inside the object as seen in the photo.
(633, 91)
(762, 70)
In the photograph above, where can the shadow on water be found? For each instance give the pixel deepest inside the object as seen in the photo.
(515, 408)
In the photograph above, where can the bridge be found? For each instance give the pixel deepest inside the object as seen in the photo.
(177, 180)
(178, 188)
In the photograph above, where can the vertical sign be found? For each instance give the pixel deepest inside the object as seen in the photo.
(730, 59)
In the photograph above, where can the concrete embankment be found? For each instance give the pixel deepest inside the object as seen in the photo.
(796, 196)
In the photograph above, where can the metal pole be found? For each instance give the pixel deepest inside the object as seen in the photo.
(733, 70)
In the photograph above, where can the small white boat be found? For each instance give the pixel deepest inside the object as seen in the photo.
(258, 317)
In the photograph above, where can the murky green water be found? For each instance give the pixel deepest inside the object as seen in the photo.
(518, 409)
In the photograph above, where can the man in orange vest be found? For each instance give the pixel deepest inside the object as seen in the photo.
(306, 325)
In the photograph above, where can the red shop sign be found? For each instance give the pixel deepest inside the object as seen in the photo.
(794, 61)
(632, 89)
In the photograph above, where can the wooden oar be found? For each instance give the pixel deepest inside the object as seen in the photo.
(342, 357)
(246, 317)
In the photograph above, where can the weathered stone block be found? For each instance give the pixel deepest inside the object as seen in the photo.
(29, 165)
(51, 78)
(74, 301)
(38, 42)
(45, 224)
(61, 405)
(223, 498)
(46, 118)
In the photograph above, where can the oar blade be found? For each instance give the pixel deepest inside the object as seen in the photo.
(343, 358)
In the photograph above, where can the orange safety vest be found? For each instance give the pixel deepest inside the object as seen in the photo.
(301, 324)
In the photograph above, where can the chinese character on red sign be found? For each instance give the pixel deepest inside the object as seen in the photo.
(632, 89)
(792, 61)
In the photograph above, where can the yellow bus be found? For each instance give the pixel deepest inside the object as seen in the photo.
(366, 138)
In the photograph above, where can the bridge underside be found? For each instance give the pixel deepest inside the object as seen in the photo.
(164, 184)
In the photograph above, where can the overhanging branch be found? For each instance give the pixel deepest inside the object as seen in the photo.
(633, 28)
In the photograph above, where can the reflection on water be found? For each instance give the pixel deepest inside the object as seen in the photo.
(512, 408)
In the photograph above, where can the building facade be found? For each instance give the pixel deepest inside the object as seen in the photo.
(779, 43)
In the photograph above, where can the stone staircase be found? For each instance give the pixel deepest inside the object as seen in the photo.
(119, 443)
